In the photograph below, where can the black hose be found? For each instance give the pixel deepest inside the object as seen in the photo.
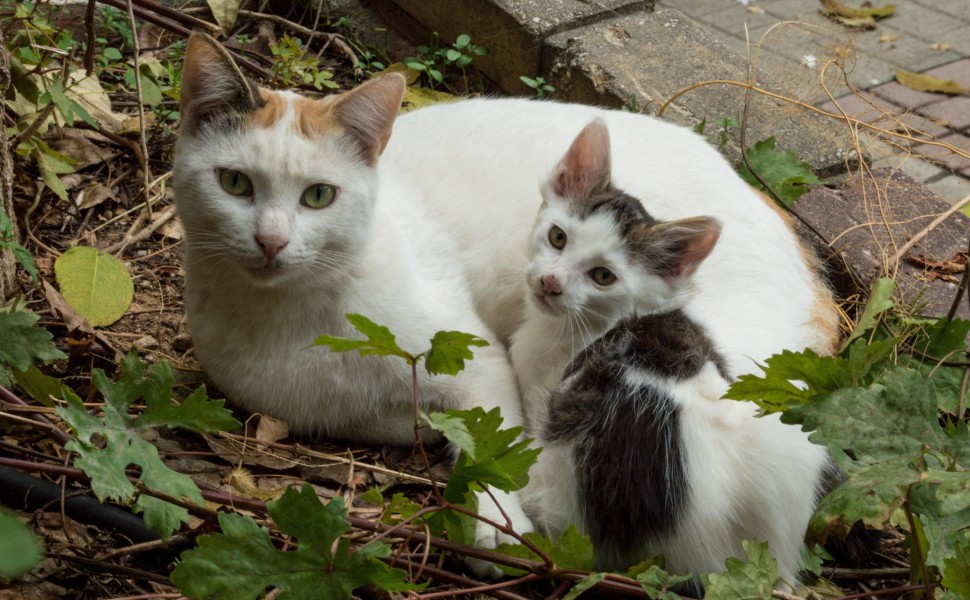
(22, 492)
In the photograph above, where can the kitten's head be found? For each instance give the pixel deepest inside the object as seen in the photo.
(597, 254)
(272, 186)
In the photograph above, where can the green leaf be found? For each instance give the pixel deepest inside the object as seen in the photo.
(880, 300)
(571, 550)
(453, 427)
(657, 583)
(20, 549)
(195, 413)
(380, 341)
(584, 584)
(39, 386)
(26, 260)
(51, 163)
(242, 562)
(753, 578)
(501, 459)
(957, 577)
(776, 391)
(23, 343)
(449, 351)
(122, 446)
(151, 94)
(95, 284)
(782, 171)
(225, 13)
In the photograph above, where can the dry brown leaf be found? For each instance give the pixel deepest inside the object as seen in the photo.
(62, 309)
(836, 8)
(927, 83)
(885, 39)
(94, 194)
(82, 151)
(271, 430)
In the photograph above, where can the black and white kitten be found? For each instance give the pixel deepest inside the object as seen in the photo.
(640, 451)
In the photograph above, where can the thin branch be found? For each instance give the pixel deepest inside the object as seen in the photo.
(922, 233)
(142, 138)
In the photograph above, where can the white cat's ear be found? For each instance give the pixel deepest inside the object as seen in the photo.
(212, 84)
(674, 249)
(585, 169)
(368, 111)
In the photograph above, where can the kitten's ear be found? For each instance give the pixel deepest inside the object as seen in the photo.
(585, 169)
(368, 111)
(674, 249)
(212, 84)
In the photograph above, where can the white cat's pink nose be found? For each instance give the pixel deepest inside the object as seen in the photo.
(271, 245)
(551, 285)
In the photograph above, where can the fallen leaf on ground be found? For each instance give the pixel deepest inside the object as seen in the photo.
(855, 22)
(63, 309)
(885, 39)
(834, 7)
(927, 83)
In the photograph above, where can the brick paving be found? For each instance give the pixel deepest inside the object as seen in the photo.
(793, 39)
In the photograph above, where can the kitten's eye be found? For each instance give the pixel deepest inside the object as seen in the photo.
(235, 182)
(319, 195)
(557, 237)
(602, 276)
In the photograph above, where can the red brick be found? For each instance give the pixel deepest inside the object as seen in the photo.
(910, 123)
(904, 96)
(953, 112)
(945, 157)
(864, 107)
(958, 71)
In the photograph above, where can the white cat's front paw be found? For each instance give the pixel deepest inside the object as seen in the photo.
(487, 536)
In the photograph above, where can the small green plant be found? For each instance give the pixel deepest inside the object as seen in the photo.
(632, 104)
(8, 242)
(433, 60)
(292, 66)
(538, 86)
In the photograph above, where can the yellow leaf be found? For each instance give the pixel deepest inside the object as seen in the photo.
(856, 22)
(928, 83)
(834, 7)
(419, 97)
(410, 75)
(95, 284)
(225, 13)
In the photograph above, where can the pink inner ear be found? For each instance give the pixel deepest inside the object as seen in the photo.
(585, 169)
(698, 248)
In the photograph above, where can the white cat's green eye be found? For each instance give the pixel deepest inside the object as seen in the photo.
(319, 195)
(557, 237)
(235, 182)
(602, 276)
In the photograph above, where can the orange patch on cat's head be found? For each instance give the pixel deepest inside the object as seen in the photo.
(312, 117)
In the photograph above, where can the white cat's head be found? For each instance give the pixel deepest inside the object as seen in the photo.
(597, 254)
(272, 186)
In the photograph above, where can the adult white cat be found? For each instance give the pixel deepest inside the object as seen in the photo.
(285, 234)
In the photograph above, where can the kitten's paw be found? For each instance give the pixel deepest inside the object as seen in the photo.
(487, 536)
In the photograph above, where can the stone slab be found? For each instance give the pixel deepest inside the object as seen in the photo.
(513, 30)
(652, 56)
(852, 218)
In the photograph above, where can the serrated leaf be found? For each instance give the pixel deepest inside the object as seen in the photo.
(225, 13)
(927, 83)
(242, 562)
(96, 284)
(20, 549)
(23, 343)
(449, 351)
(657, 583)
(957, 577)
(196, 412)
(584, 584)
(122, 446)
(571, 550)
(501, 459)
(782, 171)
(453, 428)
(750, 579)
(380, 341)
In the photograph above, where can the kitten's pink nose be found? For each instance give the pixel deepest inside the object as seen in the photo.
(271, 245)
(550, 285)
